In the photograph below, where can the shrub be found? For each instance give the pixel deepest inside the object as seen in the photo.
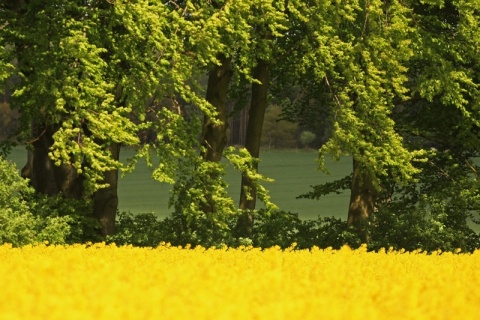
(285, 228)
(147, 230)
(418, 229)
(277, 228)
(327, 232)
(18, 225)
(26, 217)
(142, 230)
(83, 227)
(411, 230)
(307, 137)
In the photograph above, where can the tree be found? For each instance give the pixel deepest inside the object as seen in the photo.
(70, 95)
(278, 133)
(215, 131)
(353, 56)
(382, 119)
(307, 137)
(199, 192)
(86, 68)
(6, 72)
(230, 21)
(8, 122)
(94, 74)
(441, 117)
(256, 114)
(269, 23)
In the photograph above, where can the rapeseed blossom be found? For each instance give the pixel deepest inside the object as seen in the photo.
(108, 282)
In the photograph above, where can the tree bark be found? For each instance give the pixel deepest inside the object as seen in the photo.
(44, 175)
(214, 137)
(51, 180)
(105, 200)
(258, 105)
(362, 201)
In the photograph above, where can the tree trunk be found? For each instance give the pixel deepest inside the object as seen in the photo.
(215, 134)
(258, 105)
(105, 200)
(44, 175)
(51, 180)
(362, 201)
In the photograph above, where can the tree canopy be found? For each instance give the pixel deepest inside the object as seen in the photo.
(394, 84)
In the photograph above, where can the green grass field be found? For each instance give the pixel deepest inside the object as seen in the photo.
(294, 171)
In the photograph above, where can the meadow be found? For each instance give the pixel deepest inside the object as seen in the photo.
(294, 171)
(108, 282)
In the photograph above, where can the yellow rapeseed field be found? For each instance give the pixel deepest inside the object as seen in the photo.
(108, 282)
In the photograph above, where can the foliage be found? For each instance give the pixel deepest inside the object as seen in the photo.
(420, 229)
(409, 230)
(82, 226)
(196, 218)
(18, 225)
(243, 162)
(142, 230)
(352, 58)
(327, 232)
(281, 228)
(446, 73)
(307, 137)
(147, 230)
(434, 214)
(278, 133)
(91, 68)
(392, 77)
(277, 228)
(202, 206)
(6, 66)
(67, 79)
(26, 217)
(336, 186)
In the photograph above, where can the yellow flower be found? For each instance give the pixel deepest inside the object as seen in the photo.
(109, 282)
